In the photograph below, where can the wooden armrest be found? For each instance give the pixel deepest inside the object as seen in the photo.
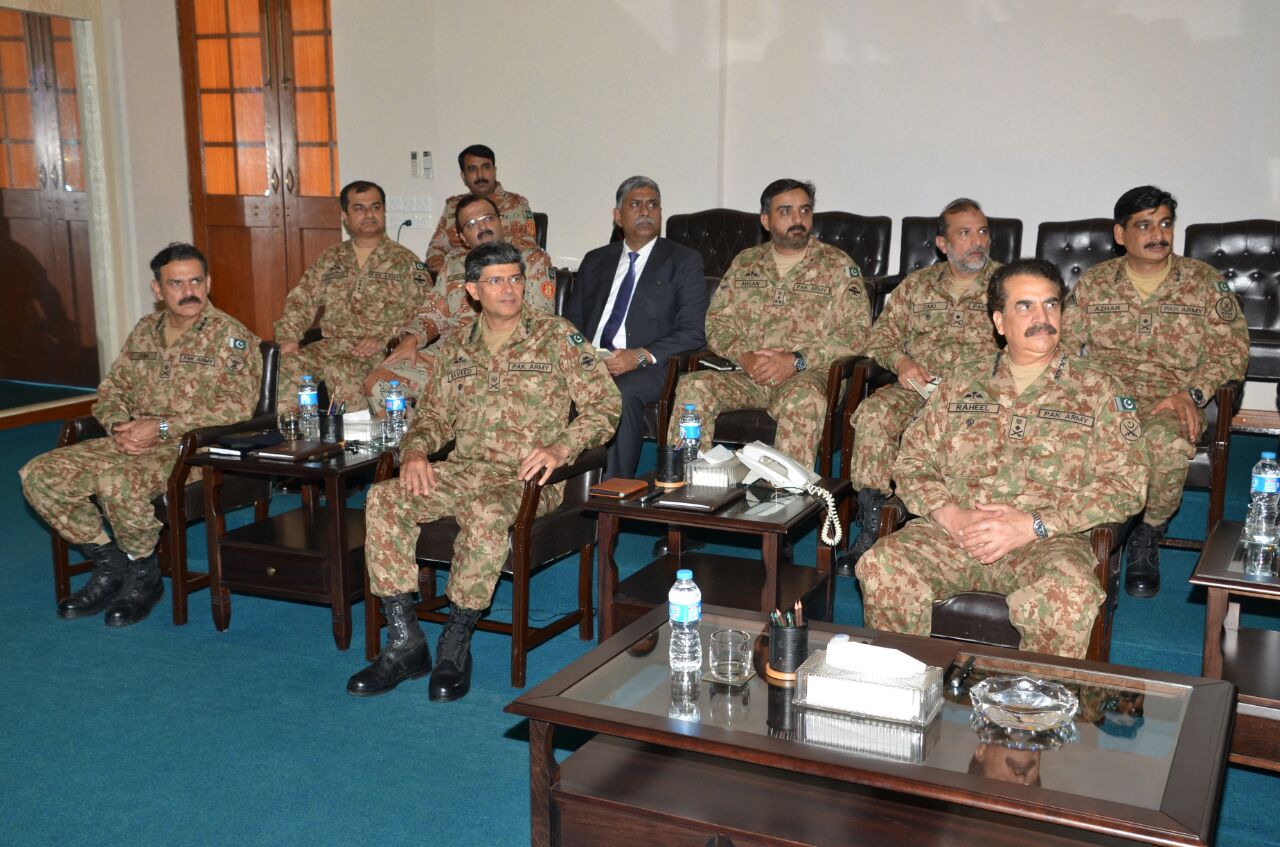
(79, 429)
(205, 435)
(1228, 397)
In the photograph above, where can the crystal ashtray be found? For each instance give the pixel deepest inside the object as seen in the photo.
(1020, 702)
(1023, 739)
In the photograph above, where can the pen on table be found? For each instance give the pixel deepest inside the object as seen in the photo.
(799, 613)
(650, 497)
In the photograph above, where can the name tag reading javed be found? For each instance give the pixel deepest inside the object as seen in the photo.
(534, 367)
(974, 408)
(1069, 417)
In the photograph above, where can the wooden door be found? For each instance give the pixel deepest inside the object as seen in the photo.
(47, 331)
(264, 199)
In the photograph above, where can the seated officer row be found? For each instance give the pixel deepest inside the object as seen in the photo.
(1012, 459)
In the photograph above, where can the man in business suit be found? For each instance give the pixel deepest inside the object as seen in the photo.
(645, 303)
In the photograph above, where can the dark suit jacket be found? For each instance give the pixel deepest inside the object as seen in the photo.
(668, 310)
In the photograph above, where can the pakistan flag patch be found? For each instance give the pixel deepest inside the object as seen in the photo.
(236, 343)
(1125, 404)
(419, 266)
(1223, 285)
(853, 272)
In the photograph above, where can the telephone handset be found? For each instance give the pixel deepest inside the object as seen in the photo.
(782, 471)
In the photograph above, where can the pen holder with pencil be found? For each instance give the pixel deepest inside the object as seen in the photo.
(331, 429)
(788, 648)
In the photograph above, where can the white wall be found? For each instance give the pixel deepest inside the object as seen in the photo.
(1040, 110)
(573, 96)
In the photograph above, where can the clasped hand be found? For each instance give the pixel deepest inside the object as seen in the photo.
(770, 366)
(988, 532)
(136, 437)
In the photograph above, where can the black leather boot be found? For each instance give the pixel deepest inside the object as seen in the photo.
(1142, 575)
(404, 656)
(143, 588)
(103, 586)
(451, 678)
(870, 502)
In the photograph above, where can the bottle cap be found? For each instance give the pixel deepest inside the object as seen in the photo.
(306, 376)
(689, 407)
(394, 382)
(684, 573)
(1267, 454)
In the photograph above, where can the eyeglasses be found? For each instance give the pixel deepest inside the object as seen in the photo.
(494, 282)
(475, 222)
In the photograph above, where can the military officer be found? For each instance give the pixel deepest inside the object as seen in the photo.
(502, 390)
(935, 319)
(1014, 458)
(479, 172)
(783, 313)
(1171, 330)
(448, 309)
(369, 288)
(186, 366)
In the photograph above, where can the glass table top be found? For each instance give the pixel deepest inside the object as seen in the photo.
(1121, 742)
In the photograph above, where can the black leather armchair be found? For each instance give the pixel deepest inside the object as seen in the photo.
(983, 616)
(540, 229)
(535, 542)
(1076, 246)
(183, 500)
(718, 234)
(864, 238)
(1248, 255)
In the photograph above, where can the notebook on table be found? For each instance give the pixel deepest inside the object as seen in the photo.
(700, 498)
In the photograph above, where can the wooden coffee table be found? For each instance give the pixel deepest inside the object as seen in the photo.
(1147, 765)
(764, 584)
(1250, 658)
(314, 553)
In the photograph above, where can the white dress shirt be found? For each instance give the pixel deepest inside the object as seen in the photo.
(624, 261)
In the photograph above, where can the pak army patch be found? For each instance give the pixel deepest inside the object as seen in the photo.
(236, 343)
(1226, 309)
(549, 290)
(1125, 404)
(1130, 429)
(587, 361)
(235, 364)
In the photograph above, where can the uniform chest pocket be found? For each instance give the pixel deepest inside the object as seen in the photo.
(1058, 448)
(971, 447)
(1178, 330)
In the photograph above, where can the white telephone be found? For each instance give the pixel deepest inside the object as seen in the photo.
(781, 471)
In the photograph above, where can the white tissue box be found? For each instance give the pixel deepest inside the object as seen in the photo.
(902, 742)
(913, 699)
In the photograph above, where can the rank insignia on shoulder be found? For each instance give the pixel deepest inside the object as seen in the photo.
(236, 343)
(1125, 404)
(1223, 285)
(853, 271)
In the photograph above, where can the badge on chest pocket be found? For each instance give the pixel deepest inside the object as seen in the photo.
(1144, 323)
(779, 298)
(495, 382)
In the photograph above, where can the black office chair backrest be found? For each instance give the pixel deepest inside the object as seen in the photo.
(1248, 255)
(269, 387)
(564, 286)
(540, 228)
(919, 250)
(1076, 246)
(864, 238)
(718, 234)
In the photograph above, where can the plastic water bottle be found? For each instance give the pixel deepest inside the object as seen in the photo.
(1260, 526)
(309, 408)
(394, 401)
(690, 433)
(686, 689)
(684, 607)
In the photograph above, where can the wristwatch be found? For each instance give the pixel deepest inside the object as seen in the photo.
(1038, 525)
(1197, 397)
(164, 430)
(801, 364)
(642, 359)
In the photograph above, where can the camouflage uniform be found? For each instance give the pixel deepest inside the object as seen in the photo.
(498, 407)
(211, 375)
(447, 309)
(1062, 448)
(923, 320)
(820, 309)
(373, 301)
(1190, 334)
(517, 222)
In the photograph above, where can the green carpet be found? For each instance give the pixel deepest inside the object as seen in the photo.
(166, 735)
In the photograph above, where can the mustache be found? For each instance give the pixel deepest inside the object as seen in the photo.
(644, 220)
(1161, 244)
(189, 299)
(484, 233)
(1039, 329)
(798, 228)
